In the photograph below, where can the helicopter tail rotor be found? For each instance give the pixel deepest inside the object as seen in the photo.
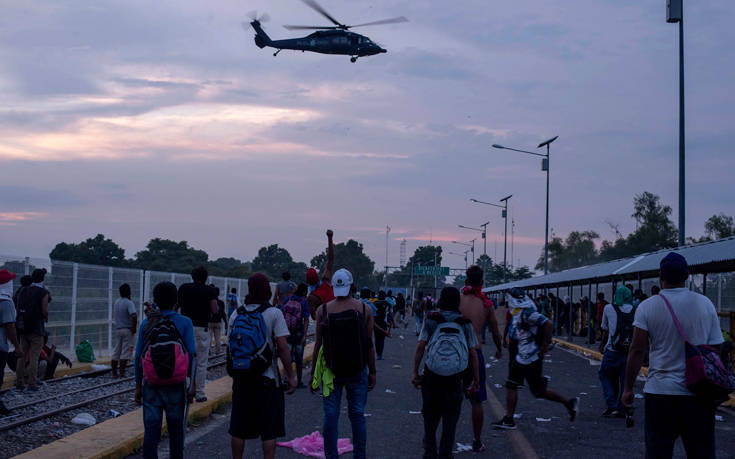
(253, 15)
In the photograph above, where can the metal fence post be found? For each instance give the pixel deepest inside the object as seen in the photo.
(27, 266)
(570, 313)
(109, 310)
(590, 322)
(72, 328)
(719, 292)
(141, 289)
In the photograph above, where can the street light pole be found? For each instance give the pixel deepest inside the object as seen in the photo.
(675, 13)
(544, 167)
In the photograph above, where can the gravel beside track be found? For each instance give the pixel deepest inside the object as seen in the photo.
(116, 395)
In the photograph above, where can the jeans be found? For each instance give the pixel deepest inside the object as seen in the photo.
(419, 322)
(671, 416)
(156, 400)
(612, 377)
(215, 336)
(442, 401)
(356, 398)
(201, 335)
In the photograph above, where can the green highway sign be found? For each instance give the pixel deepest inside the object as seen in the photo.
(431, 270)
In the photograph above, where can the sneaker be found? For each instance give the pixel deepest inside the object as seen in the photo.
(573, 408)
(477, 446)
(620, 414)
(608, 412)
(507, 423)
(201, 399)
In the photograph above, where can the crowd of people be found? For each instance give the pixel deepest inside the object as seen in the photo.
(184, 325)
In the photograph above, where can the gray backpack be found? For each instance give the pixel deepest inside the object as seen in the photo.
(447, 353)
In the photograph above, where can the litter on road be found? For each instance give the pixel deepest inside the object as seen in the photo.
(414, 412)
(543, 419)
(388, 391)
(313, 445)
(84, 419)
(461, 447)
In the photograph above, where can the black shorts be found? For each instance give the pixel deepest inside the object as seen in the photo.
(530, 373)
(258, 409)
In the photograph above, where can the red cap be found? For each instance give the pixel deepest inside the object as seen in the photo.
(6, 276)
(312, 277)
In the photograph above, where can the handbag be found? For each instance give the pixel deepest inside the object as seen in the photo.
(706, 375)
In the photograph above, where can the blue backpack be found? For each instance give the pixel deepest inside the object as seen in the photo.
(249, 352)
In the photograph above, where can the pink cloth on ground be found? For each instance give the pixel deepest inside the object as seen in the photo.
(312, 445)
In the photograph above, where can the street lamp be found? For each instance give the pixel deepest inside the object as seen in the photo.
(675, 13)
(544, 167)
(505, 233)
(468, 244)
(484, 245)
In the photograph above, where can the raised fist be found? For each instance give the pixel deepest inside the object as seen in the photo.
(330, 233)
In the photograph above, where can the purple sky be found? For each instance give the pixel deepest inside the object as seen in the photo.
(141, 121)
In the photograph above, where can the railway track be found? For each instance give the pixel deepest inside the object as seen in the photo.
(16, 420)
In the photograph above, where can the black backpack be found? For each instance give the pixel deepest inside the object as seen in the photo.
(623, 330)
(345, 342)
(29, 310)
(381, 306)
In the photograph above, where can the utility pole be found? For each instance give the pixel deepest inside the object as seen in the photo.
(387, 232)
(675, 13)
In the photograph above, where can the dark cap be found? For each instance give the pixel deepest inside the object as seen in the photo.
(517, 293)
(674, 268)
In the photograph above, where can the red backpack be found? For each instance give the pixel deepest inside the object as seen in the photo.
(292, 313)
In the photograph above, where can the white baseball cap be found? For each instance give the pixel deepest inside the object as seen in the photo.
(341, 282)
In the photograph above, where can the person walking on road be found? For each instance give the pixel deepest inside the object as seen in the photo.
(532, 331)
(345, 347)
(671, 409)
(320, 287)
(126, 323)
(32, 311)
(7, 326)
(401, 310)
(170, 395)
(479, 309)
(617, 333)
(198, 301)
(258, 405)
(382, 331)
(418, 312)
(284, 288)
(295, 310)
(215, 323)
(232, 302)
(445, 333)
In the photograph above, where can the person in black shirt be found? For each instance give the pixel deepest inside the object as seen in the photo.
(215, 323)
(381, 324)
(32, 314)
(198, 302)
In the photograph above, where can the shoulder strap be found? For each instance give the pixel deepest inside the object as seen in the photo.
(676, 319)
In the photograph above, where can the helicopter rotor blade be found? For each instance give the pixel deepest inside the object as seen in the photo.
(318, 8)
(395, 20)
(264, 18)
(300, 27)
(253, 15)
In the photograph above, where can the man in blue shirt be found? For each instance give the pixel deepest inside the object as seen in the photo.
(171, 399)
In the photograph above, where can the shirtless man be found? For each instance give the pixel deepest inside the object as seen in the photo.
(476, 307)
(320, 288)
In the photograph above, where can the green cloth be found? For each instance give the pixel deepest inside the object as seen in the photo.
(84, 352)
(323, 375)
(623, 295)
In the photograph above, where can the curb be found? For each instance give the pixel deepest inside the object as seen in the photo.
(119, 437)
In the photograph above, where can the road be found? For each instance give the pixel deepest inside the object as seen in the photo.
(394, 432)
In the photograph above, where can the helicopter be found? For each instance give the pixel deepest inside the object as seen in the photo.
(336, 39)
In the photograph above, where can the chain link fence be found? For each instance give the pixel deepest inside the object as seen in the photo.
(82, 297)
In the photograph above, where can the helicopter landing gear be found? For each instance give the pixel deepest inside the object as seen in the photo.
(276, 53)
(353, 59)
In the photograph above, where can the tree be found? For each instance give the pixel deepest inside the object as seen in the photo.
(351, 256)
(654, 230)
(168, 255)
(95, 251)
(273, 261)
(719, 226)
(577, 250)
(229, 267)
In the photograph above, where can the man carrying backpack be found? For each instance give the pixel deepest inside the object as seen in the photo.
(32, 314)
(448, 342)
(532, 331)
(418, 312)
(257, 335)
(296, 312)
(617, 333)
(344, 343)
(164, 358)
